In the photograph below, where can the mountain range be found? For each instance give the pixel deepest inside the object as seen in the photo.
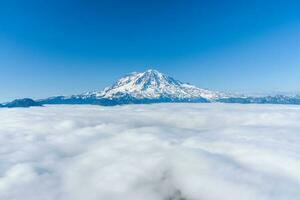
(152, 86)
(26, 102)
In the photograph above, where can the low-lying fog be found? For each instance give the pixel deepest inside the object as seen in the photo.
(150, 152)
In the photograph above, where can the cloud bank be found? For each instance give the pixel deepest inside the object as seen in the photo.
(150, 152)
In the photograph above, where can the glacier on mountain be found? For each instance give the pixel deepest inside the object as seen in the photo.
(152, 86)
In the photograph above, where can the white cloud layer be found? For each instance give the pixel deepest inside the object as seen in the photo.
(150, 152)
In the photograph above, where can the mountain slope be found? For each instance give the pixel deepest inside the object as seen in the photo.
(153, 85)
(150, 86)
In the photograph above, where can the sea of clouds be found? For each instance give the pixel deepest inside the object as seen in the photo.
(150, 152)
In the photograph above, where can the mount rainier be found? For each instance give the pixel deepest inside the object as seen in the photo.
(152, 86)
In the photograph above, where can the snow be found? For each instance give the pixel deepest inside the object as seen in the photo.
(152, 84)
(150, 152)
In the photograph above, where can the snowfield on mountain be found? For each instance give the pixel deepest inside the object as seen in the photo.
(150, 152)
(152, 86)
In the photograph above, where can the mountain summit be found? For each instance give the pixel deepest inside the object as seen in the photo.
(152, 84)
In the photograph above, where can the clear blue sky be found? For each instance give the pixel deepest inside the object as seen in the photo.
(52, 47)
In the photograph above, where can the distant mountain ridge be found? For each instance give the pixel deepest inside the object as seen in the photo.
(26, 102)
(152, 86)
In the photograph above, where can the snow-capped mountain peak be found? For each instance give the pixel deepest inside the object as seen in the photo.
(152, 84)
